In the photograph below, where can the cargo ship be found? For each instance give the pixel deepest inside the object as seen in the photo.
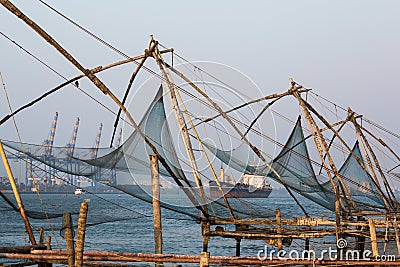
(250, 185)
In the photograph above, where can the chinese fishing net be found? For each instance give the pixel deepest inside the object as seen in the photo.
(295, 171)
(127, 169)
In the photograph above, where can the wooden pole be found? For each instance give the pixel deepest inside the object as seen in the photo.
(204, 259)
(374, 243)
(321, 145)
(385, 182)
(16, 194)
(69, 238)
(279, 228)
(155, 181)
(80, 239)
(264, 98)
(41, 242)
(182, 127)
(205, 230)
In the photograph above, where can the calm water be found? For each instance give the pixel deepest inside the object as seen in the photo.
(181, 234)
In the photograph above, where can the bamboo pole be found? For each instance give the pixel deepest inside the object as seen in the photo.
(182, 127)
(69, 238)
(268, 97)
(321, 144)
(351, 118)
(375, 159)
(80, 239)
(16, 194)
(343, 123)
(193, 128)
(279, 228)
(147, 53)
(374, 242)
(155, 181)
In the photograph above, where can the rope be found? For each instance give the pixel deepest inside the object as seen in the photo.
(23, 151)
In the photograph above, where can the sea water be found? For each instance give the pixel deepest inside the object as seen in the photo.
(181, 233)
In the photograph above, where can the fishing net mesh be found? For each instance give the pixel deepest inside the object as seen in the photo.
(126, 170)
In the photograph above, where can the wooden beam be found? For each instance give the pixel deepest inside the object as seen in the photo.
(22, 249)
(155, 181)
(80, 239)
(221, 260)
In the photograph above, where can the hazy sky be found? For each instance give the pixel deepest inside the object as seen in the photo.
(347, 51)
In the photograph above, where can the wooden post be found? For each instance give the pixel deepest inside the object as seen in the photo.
(16, 194)
(238, 240)
(48, 242)
(374, 243)
(205, 259)
(155, 181)
(279, 228)
(80, 239)
(205, 230)
(41, 242)
(69, 238)
(41, 236)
